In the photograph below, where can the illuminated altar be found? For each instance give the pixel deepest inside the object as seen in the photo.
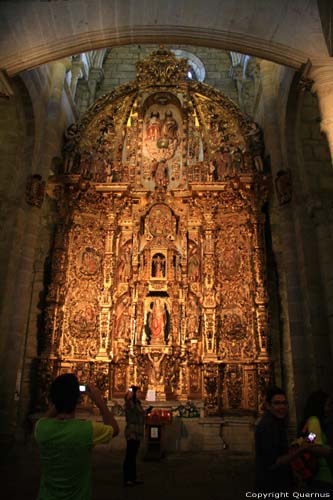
(158, 274)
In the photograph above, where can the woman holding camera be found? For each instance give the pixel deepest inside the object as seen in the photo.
(135, 418)
(313, 427)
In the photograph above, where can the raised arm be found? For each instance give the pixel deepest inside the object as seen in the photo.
(108, 417)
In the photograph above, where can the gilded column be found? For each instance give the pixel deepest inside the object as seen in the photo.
(209, 301)
(106, 298)
(261, 297)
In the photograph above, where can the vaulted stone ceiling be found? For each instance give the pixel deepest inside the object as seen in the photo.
(285, 31)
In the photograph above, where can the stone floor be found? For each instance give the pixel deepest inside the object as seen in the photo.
(205, 476)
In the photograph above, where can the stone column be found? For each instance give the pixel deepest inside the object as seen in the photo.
(77, 73)
(51, 137)
(294, 344)
(323, 86)
(236, 74)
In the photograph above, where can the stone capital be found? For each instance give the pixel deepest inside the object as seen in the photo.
(323, 78)
(77, 69)
(96, 74)
(62, 64)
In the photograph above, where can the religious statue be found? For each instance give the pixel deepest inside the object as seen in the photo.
(153, 128)
(169, 127)
(157, 330)
(156, 360)
(255, 137)
(158, 266)
(160, 173)
(193, 268)
(121, 317)
(223, 162)
(124, 267)
(192, 319)
(211, 172)
(71, 140)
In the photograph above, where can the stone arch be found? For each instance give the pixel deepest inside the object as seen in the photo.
(205, 25)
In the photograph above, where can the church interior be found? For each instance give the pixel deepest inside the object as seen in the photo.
(166, 208)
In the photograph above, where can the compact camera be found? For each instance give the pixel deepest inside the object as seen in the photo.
(311, 437)
(82, 388)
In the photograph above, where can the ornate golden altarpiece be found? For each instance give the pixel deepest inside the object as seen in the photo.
(158, 274)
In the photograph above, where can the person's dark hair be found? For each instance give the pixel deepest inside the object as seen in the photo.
(315, 407)
(134, 388)
(65, 393)
(273, 391)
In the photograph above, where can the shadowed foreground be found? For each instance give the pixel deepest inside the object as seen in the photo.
(205, 476)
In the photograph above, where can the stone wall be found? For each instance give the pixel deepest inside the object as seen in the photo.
(119, 68)
(301, 231)
(31, 135)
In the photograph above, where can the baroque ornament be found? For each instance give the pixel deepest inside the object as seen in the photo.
(158, 274)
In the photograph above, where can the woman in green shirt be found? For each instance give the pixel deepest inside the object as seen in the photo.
(314, 422)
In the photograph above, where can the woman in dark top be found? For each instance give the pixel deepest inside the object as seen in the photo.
(135, 418)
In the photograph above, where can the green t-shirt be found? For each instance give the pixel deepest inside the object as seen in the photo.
(65, 452)
(324, 472)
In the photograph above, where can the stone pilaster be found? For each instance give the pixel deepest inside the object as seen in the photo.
(287, 261)
(77, 72)
(323, 86)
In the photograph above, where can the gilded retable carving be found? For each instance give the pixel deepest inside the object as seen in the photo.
(158, 273)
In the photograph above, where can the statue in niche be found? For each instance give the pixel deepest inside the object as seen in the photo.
(169, 127)
(153, 127)
(112, 172)
(223, 163)
(160, 173)
(192, 319)
(121, 317)
(193, 268)
(255, 137)
(237, 161)
(124, 267)
(71, 140)
(158, 266)
(211, 176)
(156, 360)
(158, 323)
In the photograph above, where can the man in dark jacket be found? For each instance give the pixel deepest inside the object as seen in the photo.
(273, 472)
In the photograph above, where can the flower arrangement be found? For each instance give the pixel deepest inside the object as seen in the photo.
(188, 410)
